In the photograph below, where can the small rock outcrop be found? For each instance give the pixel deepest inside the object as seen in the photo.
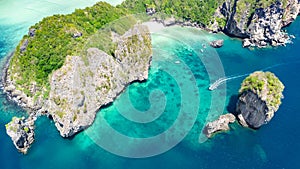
(260, 97)
(219, 125)
(217, 43)
(24, 45)
(31, 32)
(77, 34)
(247, 43)
(150, 10)
(21, 131)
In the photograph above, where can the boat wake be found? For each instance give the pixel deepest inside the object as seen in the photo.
(222, 80)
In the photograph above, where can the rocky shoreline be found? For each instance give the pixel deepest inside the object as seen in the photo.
(9, 89)
(21, 130)
(76, 92)
(172, 22)
(261, 29)
(260, 41)
(217, 43)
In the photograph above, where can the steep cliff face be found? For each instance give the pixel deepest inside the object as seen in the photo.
(252, 110)
(266, 24)
(260, 97)
(259, 23)
(237, 18)
(85, 84)
(291, 11)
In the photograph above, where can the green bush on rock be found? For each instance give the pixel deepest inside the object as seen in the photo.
(266, 85)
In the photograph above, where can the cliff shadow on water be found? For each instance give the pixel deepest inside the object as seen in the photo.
(231, 107)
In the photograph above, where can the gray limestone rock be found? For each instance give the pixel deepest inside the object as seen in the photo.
(86, 83)
(21, 131)
(252, 110)
(219, 125)
(217, 43)
(31, 32)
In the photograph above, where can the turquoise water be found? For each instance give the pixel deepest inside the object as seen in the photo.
(174, 99)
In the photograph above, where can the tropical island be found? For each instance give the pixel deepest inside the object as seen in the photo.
(55, 53)
(259, 98)
(54, 72)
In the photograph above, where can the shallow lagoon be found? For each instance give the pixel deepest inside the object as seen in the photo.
(273, 146)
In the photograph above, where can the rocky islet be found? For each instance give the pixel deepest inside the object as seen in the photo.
(259, 98)
(217, 43)
(219, 125)
(21, 131)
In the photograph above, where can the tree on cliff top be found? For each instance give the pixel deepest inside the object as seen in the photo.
(266, 85)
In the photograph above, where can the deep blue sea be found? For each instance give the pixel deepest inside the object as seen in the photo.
(158, 123)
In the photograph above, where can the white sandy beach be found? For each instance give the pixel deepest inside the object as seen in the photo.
(154, 26)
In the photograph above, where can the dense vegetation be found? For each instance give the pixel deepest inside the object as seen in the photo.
(103, 39)
(264, 83)
(199, 11)
(54, 36)
(54, 40)
(195, 10)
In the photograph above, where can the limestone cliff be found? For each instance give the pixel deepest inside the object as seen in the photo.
(219, 125)
(237, 13)
(260, 97)
(82, 86)
(259, 23)
(85, 84)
